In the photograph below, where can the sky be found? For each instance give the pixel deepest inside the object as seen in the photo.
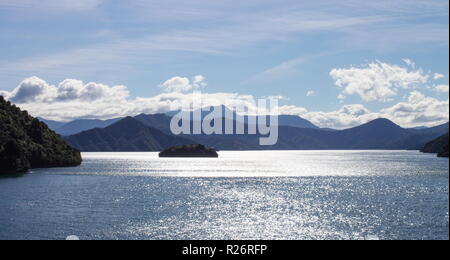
(336, 63)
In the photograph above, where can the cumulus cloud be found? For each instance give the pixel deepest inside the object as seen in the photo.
(32, 89)
(36, 90)
(346, 117)
(377, 81)
(4, 94)
(310, 93)
(437, 76)
(182, 84)
(441, 88)
(73, 99)
(292, 110)
(71, 89)
(419, 110)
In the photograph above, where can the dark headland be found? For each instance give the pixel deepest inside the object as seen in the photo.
(193, 150)
(27, 143)
(439, 146)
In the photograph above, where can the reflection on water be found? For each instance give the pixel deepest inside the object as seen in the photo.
(242, 195)
(262, 164)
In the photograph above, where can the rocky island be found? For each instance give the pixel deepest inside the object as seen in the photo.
(439, 146)
(27, 143)
(193, 150)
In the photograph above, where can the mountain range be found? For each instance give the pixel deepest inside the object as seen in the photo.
(127, 135)
(152, 133)
(159, 121)
(77, 126)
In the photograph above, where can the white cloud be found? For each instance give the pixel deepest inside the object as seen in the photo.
(199, 81)
(72, 99)
(377, 81)
(71, 89)
(437, 76)
(310, 93)
(346, 117)
(182, 84)
(4, 94)
(410, 63)
(35, 90)
(281, 70)
(292, 110)
(419, 110)
(341, 98)
(441, 88)
(32, 89)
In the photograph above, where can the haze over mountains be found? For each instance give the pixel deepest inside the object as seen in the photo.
(152, 133)
(127, 135)
(78, 126)
(159, 121)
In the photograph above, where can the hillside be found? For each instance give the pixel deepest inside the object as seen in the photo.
(439, 146)
(158, 121)
(380, 134)
(127, 135)
(80, 125)
(151, 133)
(27, 143)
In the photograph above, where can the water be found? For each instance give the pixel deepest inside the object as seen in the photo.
(242, 195)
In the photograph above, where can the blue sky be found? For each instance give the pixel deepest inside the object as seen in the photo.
(382, 58)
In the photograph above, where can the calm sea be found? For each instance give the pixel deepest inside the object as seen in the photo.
(241, 195)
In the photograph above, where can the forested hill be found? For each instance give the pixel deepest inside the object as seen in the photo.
(439, 146)
(27, 143)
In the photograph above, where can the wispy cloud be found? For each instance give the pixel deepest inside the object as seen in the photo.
(51, 5)
(244, 28)
(310, 93)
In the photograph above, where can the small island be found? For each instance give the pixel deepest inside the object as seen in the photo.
(193, 150)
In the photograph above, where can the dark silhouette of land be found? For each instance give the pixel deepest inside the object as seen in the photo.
(439, 146)
(193, 150)
(27, 143)
(127, 135)
(152, 133)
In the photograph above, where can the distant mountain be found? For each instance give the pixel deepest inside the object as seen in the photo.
(134, 135)
(418, 128)
(126, 135)
(53, 125)
(27, 143)
(434, 130)
(158, 121)
(81, 125)
(378, 134)
(417, 138)
(439, 146)
(295, 121)
(283, 120)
